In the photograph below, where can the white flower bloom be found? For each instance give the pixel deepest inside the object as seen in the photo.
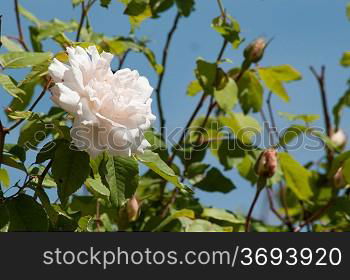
(110, 111)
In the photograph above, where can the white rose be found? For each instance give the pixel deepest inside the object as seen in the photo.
(110, 111)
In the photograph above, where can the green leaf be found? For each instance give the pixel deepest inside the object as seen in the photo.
(274, 77)
(15, 150)
(122, 176)
(11, 45)
(160, 6)
(250, 91)
(206, 74)
(221, 214)
(155, 163)
(26, 214)
(297, 177)
(185, 7)
(214, 181)
(32, 133)
(21, 103)
(29, 16)
(291, 133)
(23, 59)
(13, 162)
(246, 169)
(97, 188)
(194, 88)
(10, 86)
(346, 171)
(70, 169)
(343, 102)
(231, 152)
(176, 215)
(48, 151)
(348, 11)
(4, 218)
(308, 118)
(228, 28)
(4, 177)
(135, 7)
(77, 2)
(54, 28)
(244, 127)
(227, 97)
(345, 60)
(105, 3)
(200, 225)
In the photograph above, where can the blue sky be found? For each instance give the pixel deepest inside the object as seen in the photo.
(305, 33)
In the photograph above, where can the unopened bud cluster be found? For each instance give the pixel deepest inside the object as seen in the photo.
(266, 164)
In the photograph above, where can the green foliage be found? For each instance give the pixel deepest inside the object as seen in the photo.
(275, 76)
(26, 214)
(70, 169)
(214, 181)
(121, 176)
(296, 176)
(23, 59)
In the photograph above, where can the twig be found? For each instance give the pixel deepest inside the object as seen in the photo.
(2, 142)
(43, 174)
(251, 208)
(84, 12)
(19, 27)
(17, 123)
(161, 76)
(315, 216)
(321, 83)
(0, 30)
(273, 209)
(285, 207)
(122, 59)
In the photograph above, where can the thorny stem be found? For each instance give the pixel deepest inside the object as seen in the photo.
(322, 85)
(161, 75)
(19, 27)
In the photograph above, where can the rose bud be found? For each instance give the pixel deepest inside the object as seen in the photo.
(339, 179)
(266, 164)
(339, 138)
(254, 52)
(132, 209)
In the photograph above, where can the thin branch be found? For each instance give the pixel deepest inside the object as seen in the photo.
(273, 209)
(251, 208)
(2, 141)
(84, 13)
(161, 76)
(43, 174)
(122, 59)
(81, 22)
(0, 29)
(19, 26)
(321, 83)
(17, 123)
(285, 207)
(315, 216)
(222, 10)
